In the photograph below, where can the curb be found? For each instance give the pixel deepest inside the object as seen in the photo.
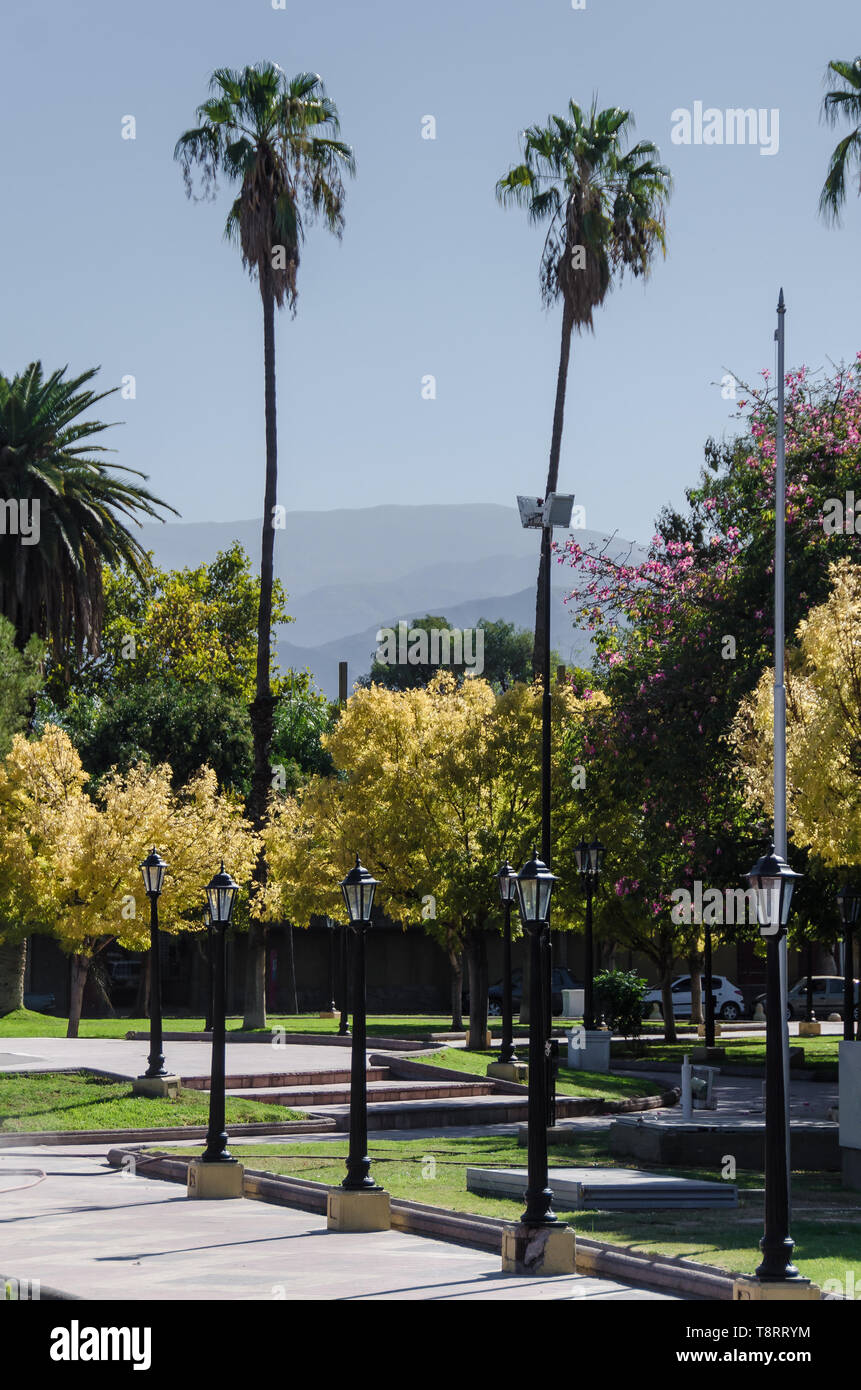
(299, 1039)
(47, 1294)
(574, 1105)
(10, 1140)
(696, 1281)
(637, 1065)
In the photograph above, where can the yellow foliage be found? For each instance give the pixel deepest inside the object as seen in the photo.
(823, 694)
(70, 863)
(436, 786)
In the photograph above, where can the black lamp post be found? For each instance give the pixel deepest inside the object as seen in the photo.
(589, 859)
(534, 888)
(331, 1006)
(358, 888)
(507, 881)
(210, 971)
(221, 896)
(811, 1016)
(773, 882)
(849, 902)
(152, 869)
(710, 998)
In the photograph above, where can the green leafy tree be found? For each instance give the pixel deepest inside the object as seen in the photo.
(605, 214)
(842, 103)
(49, 465)
(190, 626)
(276, 139)
(163, 721)
(21, 674)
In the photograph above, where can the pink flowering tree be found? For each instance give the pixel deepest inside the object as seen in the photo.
(684, 633)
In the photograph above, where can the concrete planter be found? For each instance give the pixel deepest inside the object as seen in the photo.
(589, 1050)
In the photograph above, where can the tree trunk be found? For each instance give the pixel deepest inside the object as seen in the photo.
(142, 1000)
(553, 475)
(667, 978)
(455, 959)
(80, 971)
(13, 961)
(262, 707)
(476, 946)
(695, 966)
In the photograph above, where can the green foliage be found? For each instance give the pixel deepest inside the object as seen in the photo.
(187, 726)
(277, 139)
(595, 197)
(842, 102)
(303, 717)
(619, 995)
(54, 588)
(190, 626)
(20, 680)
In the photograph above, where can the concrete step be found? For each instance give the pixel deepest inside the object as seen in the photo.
(428, 1114)
(253, 1080)
(404, 1092)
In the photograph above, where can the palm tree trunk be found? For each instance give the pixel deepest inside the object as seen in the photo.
(262, 708)
(13, 959)
(553, 474)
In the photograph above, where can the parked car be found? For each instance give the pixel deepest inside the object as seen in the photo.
(40, 1003)
(562, 979)
(729, 1000)
(827, 997)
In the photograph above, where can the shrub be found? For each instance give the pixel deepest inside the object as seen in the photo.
(619, 995)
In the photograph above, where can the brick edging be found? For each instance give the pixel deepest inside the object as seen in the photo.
(613, 1262)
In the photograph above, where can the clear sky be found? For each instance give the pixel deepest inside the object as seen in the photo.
(105, 261)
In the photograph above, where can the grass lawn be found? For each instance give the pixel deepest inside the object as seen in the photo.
(75, 1100)
(24, 1023)
(569, 1083)
(826, 1218)
(820, 1054)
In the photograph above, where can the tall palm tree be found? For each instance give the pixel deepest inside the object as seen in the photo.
(605, 210)
(843, 101)
(277, 139)
(51, 582)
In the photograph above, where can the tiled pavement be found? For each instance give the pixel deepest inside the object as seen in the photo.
(89, 1230)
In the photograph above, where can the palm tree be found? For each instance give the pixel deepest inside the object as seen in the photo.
(73, 503)
(277, 139)
(63, 514)
(605, 211)
(844, 101)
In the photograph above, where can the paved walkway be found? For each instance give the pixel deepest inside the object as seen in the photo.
(129, 1059)
(89, 1230)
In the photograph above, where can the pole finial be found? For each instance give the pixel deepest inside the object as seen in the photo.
(781, 302)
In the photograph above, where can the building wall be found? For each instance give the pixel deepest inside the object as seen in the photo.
(407, 970)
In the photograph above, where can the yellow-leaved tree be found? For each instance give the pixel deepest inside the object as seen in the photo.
(69, 862)
(435, 787)
(823, 735)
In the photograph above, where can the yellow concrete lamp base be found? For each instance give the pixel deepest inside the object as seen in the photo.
(508, 1071)
(361, 1210)
(774, 1290)
(215, 1180)
(157, 1087)
(539, 1250)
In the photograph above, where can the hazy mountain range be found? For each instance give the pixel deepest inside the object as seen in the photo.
(349, 573)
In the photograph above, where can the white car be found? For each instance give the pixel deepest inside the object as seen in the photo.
(729, 1000)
